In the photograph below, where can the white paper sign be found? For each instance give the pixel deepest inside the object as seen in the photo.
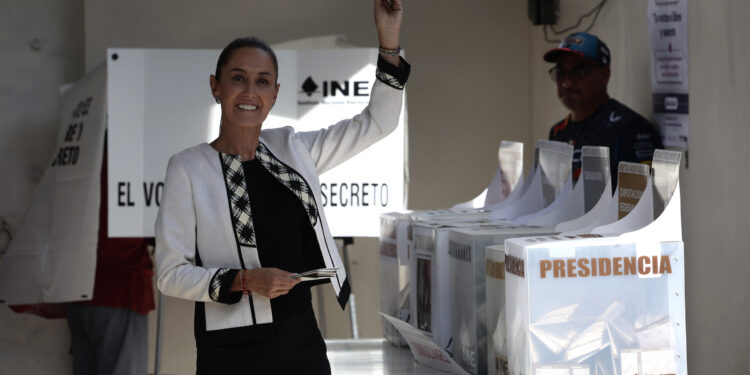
(424, 349)
(53, 256)
(161, 103)
(667, 21)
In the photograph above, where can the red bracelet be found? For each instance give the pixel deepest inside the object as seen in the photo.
(245, 292)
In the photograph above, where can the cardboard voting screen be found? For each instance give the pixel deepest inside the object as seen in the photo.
(160, 103)
(53, 256)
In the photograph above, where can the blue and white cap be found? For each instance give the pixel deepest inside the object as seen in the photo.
(583, 44)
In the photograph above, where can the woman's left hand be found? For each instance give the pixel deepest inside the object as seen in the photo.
(388, 22)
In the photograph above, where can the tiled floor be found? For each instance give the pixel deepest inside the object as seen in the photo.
(372, 356)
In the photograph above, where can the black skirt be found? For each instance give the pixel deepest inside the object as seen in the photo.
(291, 346)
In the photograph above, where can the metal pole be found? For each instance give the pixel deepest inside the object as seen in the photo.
(159, 316)
(352, 305)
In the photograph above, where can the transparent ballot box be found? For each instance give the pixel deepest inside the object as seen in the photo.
(467, 269)
(603, 305)
(394, 241)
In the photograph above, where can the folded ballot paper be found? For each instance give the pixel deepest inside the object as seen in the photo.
(318, 274)
(610, 301)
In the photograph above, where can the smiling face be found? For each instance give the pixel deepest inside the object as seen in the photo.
(246, 87)
(584, 90)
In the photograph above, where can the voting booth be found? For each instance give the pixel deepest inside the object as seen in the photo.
(160, 103)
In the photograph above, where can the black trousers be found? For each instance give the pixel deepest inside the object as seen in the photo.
(295, 346)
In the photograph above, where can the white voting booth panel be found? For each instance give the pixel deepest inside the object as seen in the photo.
(394, 243)
(160, 103)
(466, 252)
(603, 305)
(53, 256)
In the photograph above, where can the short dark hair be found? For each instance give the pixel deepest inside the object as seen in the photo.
(252, 42)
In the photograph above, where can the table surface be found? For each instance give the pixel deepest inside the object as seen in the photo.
(372, 356)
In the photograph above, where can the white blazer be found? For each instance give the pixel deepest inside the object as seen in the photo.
(201, 232)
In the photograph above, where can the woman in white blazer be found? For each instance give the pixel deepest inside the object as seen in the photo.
(241, 215)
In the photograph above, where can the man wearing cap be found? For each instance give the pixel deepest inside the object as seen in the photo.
(581, 73)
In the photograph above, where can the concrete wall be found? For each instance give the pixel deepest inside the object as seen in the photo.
(42, 47)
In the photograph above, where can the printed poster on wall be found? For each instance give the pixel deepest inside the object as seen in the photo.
(668, 30)
(160, 103)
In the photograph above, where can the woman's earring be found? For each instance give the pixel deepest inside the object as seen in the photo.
(218, 100)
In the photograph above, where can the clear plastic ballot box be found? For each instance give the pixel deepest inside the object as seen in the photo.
(394, 241)
(608, 305)
(466, 255)
(497, 346)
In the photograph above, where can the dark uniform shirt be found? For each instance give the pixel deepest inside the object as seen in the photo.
(629, 136)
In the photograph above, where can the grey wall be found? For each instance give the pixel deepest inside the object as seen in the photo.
(478, 78)
(42, 47)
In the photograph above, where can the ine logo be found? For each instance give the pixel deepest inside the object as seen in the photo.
(336, 88)
(309, 86)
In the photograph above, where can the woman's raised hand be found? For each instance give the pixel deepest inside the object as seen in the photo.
(388, 22)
